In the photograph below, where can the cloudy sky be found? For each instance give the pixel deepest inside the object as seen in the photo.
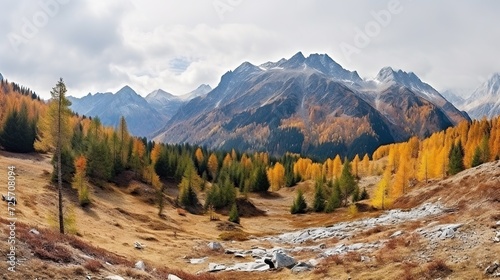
(99, 46)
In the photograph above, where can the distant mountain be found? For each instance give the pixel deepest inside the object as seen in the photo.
(485, 100)
(1, 77)
(142, 118)
(411, 82)
(164, 102)
(168, 104)
(310, 106)
(453, 97)
(201, 91)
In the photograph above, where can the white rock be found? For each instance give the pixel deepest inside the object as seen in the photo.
(214, 267)
(140, 265)
(497, 237)
(258, 253)
(301, 267)
(173, 277)
(34, 231)
(313, 262)
(114, 277)
(197, 261)
(215, 246)
(397, 233)
(447, 233)
(283, 260)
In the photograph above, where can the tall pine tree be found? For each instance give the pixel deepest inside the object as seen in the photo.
(456, 156)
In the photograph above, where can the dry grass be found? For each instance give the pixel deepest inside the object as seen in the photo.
(93, 265)
(373, 230)
(234, 236)
(436, 269)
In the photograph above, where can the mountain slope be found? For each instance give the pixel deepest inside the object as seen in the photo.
(453, 97)
(142, 118)
(311, 106)
(485, 100)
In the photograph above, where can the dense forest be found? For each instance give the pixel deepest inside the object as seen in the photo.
(91, 152)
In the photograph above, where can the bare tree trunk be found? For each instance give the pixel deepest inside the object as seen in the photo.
(59, 165)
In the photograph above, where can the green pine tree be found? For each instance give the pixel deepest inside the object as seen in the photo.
(477, 157)
(299, 205)
(234, 216)
(18, 133)
(334, 199)
(260, 181)
(347, 182)
(319, 200)
(456, 159)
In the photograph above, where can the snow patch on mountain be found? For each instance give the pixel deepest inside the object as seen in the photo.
(485, 100)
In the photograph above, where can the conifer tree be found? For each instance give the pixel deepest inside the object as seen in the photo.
(456, 162)
(334, 200)
(213, 166)
(347, 182)
(476, 158)
(234, 216)
(18, 133)
(319, 200)
(55, 133)
(299, 204)
(260, 181)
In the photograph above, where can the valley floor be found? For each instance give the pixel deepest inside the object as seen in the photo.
(446, 230)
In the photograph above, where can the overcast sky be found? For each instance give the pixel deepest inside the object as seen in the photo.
(99, 46)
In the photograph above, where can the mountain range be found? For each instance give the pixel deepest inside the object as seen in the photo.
(143, 115)
(310, 106)
(484, 100)
(307, 105)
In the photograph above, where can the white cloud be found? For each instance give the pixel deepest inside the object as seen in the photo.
(103, 45)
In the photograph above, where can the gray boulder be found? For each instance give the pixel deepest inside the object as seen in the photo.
(215, 246)
(283, 260)
(490, 270)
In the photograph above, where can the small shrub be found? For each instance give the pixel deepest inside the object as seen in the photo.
(93, 265)
(353, 210)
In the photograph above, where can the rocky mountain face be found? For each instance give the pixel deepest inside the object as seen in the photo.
(144, 116)
(310, 106)
(1, 77)
(485, 100)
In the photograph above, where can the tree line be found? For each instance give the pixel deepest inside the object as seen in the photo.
(86, 151)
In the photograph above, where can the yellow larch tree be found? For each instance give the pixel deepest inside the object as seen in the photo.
(300, 167)
(80, 182)
(227, 160)
(381, 198)
(276, 176)
(366, 165)
(199, 156)
(355, 166)
(213, 166)
(337, 166)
